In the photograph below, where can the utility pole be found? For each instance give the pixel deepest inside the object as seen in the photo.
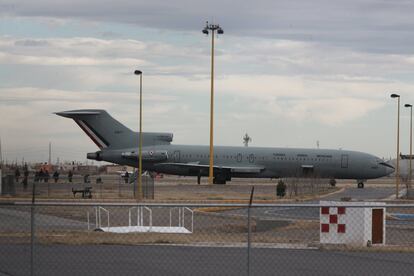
(1, 166)
(411, 146)
(1, 156)
(397, 171)
(213, 28)
(50, 153)
(139, 73)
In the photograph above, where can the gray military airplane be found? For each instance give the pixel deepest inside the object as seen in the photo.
(118, 144)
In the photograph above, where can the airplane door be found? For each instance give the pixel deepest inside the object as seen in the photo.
(176, 156)
(344, 161)
(377, 226)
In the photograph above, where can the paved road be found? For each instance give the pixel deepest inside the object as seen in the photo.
(18, 220)
(366, 194)
(186, 260)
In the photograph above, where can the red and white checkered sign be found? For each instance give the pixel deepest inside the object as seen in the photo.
(333, 215)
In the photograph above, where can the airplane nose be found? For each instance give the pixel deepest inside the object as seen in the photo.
(389, 169)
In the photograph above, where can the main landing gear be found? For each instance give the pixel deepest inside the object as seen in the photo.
(360, 184)
(219, 179)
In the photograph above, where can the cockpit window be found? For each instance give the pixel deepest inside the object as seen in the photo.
(386, 165)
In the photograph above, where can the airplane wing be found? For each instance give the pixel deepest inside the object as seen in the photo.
(195, 165)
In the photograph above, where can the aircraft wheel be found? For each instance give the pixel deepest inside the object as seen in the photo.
(360, 185)
(332, 182)
(219, 179)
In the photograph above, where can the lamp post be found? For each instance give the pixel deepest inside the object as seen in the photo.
(397, 172)
(138, 72)
(411, 142)
(213, 28)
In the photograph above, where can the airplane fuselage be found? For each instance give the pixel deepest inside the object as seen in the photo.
(276, 162)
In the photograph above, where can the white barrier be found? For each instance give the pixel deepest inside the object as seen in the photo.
(140, 227)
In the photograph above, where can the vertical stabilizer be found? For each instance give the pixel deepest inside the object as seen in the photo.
(104, 131)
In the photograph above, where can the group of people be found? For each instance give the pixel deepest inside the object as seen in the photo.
(39, 176)
(42, 175)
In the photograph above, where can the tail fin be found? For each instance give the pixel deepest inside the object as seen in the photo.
(106, 132)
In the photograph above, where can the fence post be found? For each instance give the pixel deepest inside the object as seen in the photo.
(134, 187)
(32, 230)
(249, 231)
(119, 187)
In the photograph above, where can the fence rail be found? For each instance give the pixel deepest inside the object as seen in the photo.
(247, 204)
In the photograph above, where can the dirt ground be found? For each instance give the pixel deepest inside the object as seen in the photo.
(176, 189)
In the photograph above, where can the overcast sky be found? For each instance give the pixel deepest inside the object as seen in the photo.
(289, 73)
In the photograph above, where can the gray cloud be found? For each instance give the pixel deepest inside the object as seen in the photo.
(31, 43)
(366, 25)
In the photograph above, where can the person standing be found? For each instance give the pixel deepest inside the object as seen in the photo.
(41, 175)
(126, 177)
(25, 177)
(17, 174)
(70, 175)
(47, 176)
(56, 176)
(37, 176)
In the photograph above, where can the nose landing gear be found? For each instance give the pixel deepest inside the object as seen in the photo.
(360, 184)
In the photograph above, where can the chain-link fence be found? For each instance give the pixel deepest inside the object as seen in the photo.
(110, 186)
(206, 239)
(78, 186)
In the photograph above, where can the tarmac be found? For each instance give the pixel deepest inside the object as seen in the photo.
(185, 260)
(296, 213)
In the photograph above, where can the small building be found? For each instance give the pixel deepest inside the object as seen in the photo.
(341, 223)
(116, 169)
(44, 167)
(87, 169)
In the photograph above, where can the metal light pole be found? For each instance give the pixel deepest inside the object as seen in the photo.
(411, 142)
(212, 28)
(138, 72)
(397, 172)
